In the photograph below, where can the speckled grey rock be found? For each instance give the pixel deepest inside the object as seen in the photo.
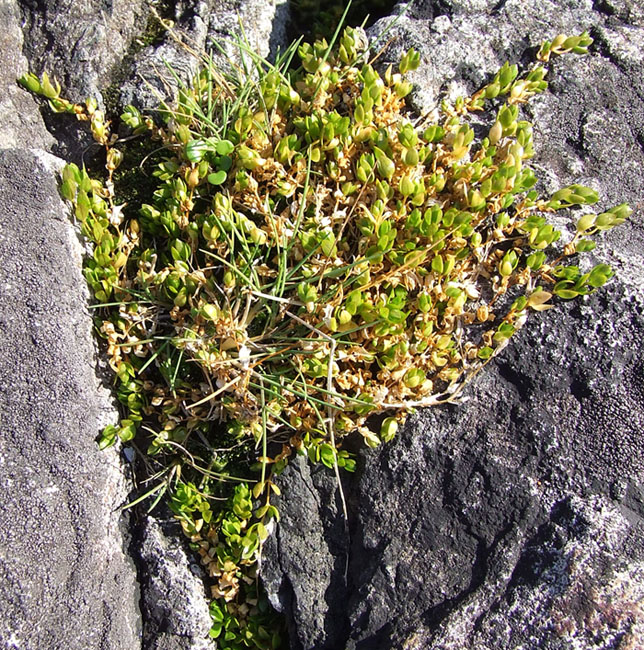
(67, 580)
(515, 519)
(67, 577)
(19, 117)
(80, 41)
(175, 612)
(196, 26)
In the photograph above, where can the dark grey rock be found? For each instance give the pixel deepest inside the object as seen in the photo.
(516, 518)
(150, 80)
(464, 512)
(175, 612)
(67, 579)
(315, 541)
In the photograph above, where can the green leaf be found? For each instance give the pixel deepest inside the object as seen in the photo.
(566, 294)
(195, 150)
(31, 82)
(224, 163)
(485, 353)
(107, 437)
(600, 275)
(434, 133)
(327, 243)
(217, 178)
(127, 431)
(224, 147)
(68, 189)
(388, 429)
(48, 89)
(585, 245)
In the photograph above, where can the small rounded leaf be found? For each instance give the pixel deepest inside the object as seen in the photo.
(217, 178)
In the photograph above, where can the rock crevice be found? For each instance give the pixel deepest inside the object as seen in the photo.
(512, 520)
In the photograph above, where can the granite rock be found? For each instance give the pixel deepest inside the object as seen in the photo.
(81, 43)
(67, 577)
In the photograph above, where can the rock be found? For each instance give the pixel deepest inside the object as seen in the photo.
(175, 612)
(19, 117)
(69, 581)
(80, 41)
(513, 519)
(317, 542)
(566, 588)
(150, 79)
(264, 24)
(197, 25)
(470, 491)
(67, 578)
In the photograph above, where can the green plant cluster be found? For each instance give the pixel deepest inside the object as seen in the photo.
(228, 542)
(312, 253)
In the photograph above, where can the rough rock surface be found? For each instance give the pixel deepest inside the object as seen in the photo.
(81, 43)
(197, 25)
(66, 575)
(174, 607)
(66, 552)
(514, 519)
(19, 118)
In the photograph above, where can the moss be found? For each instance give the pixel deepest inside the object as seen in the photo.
(133, 180)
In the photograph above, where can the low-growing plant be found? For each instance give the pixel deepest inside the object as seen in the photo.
(311, 253)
